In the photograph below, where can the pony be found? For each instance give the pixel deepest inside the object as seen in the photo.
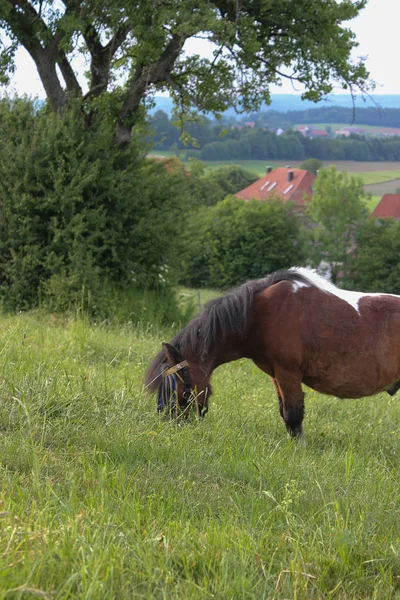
(297, 328)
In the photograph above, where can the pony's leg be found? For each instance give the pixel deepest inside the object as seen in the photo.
(280, 398)
(392, 389)
(291, 398)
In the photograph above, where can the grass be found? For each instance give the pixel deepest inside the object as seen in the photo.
(101, 499)
(196, 297)
(372, 202)
(379, 176)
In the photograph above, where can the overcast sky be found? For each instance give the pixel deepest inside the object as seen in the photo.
(376, 28)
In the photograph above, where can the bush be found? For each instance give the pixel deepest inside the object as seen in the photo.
(236, 240)
(312, 164)
(212, 186)
(232, 178)
(76, 213)
(374, 265)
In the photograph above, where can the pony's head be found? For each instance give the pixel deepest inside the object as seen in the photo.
(182, 385)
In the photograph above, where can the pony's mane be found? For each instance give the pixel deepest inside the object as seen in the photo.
(226, 315)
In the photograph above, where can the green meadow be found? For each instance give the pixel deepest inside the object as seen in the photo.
(369, 129)
(380, 176)
(102, 499)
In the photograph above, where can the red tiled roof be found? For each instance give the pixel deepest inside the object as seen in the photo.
(301, 128)
(319, 132)
(277, 184)
(310, 131)
(388, 206)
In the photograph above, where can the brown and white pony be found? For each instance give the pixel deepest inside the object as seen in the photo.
(294, 326)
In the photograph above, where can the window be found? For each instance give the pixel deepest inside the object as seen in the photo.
(271, 187)
(264, 185)
(288, 189)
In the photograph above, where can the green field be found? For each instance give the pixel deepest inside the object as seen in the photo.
(379, 176)
(101, 499)
(369, 129)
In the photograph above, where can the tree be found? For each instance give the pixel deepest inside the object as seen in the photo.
(232, 178)
(338, 207)
(210, 187)
(142, 44)
(235, 240)
(312, 164)
(375, 266)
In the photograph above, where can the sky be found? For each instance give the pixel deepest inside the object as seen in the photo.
(376, 29)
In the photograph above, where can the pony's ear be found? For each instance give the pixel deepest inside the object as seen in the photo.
(173, 355)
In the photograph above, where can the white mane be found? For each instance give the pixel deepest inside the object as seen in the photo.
(352, 298)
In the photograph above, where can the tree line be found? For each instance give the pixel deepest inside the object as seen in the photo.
(377, 116)
(226, 142)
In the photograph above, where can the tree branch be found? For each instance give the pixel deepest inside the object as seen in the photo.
(118, 39)
(29, 22)
(142, 79)
(23, 26)
(102, 55)
(181, 91)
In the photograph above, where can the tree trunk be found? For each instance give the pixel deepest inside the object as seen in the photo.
(46, 66)
(143, 77)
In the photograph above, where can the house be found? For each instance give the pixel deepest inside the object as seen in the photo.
(388, 207)
(303, 129)
(319, 133)
(311, 132)
(285, 183)
(347, 131)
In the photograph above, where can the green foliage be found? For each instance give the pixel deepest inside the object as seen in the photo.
(211, 186)
(338, 207)
(312, 164)
(76, 212)
(232, 178)
(234, 241)
(144, 43)
(374, 265)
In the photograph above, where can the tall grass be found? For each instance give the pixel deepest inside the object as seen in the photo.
(101, 499)
(157, 306)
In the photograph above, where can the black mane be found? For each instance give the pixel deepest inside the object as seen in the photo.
(219, 318)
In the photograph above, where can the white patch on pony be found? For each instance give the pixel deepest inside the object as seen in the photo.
(352, 298)
(299, 284)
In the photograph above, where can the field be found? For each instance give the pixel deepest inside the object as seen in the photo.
(369, 129)
(101, 499)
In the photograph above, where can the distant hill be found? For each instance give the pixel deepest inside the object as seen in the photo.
(288, 102)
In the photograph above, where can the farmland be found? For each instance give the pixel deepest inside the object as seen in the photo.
(372, 172)
(368, 129)
(379, 177)
(102, 499)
